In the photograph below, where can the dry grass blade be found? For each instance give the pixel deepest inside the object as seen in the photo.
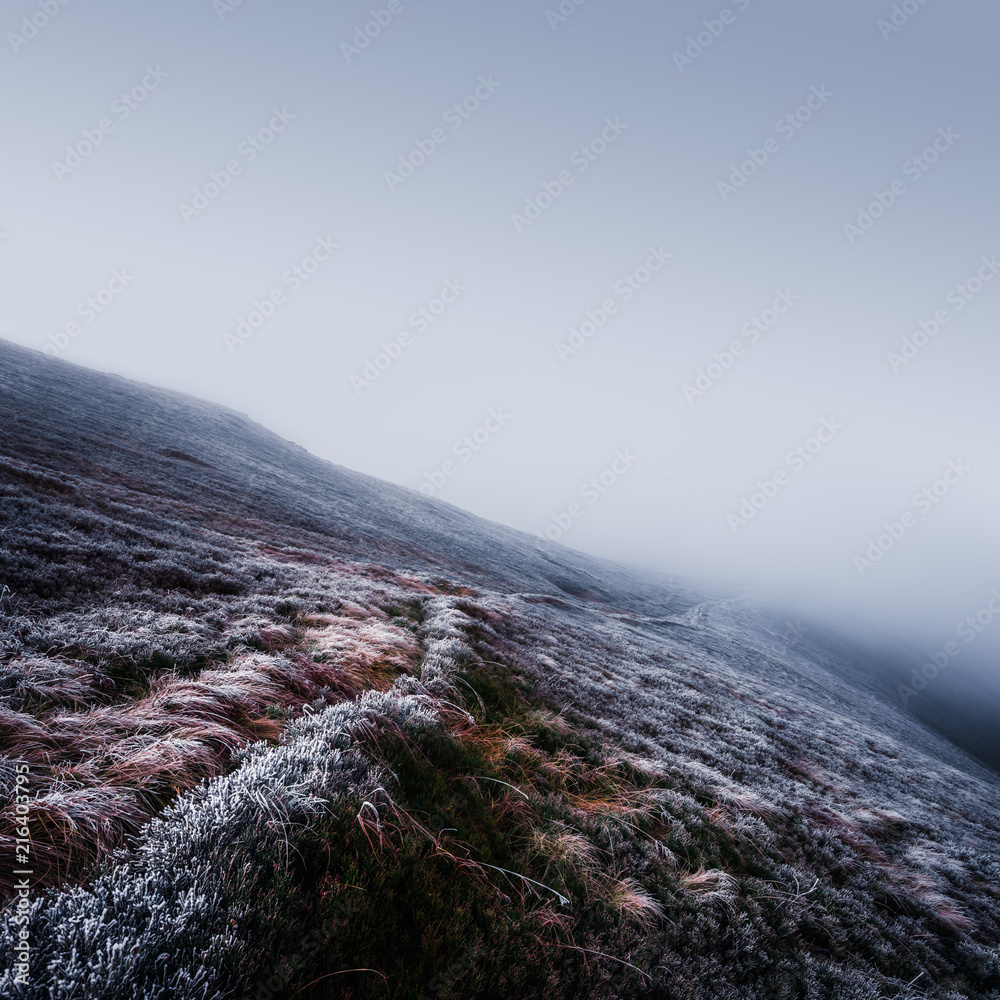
(480, 777)
(601, 954)
(563, 900)
(343, 972)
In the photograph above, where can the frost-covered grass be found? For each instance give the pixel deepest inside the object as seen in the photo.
(119, 709)
(295, 733)
(485, 845)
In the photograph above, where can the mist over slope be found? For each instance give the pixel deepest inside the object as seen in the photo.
(372, 730)
(181, 449)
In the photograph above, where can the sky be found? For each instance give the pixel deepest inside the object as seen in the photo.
(710, 290)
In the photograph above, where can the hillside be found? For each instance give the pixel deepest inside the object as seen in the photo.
(286, 730)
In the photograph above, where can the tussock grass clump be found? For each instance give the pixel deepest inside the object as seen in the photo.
(155, 702)
(317, 834)
(712, 884)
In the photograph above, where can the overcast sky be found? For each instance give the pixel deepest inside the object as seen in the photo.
(545, 232)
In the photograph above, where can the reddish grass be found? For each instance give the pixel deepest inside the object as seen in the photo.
(99, 771)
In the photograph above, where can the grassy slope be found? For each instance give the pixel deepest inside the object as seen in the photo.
(484, 770)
